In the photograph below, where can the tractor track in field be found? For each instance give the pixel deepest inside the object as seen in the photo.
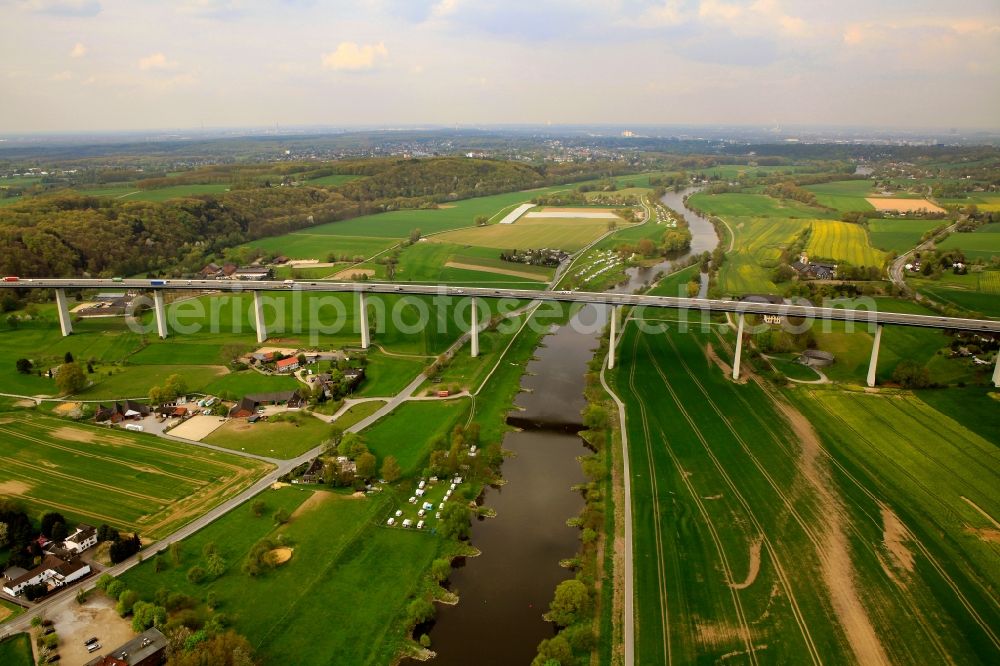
(976, 617)
(657, 525)
(87, 454)
(771, 550)
(832, 546)
(86, 482)
(878, 522)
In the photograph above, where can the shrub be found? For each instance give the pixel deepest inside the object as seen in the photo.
(196, 575)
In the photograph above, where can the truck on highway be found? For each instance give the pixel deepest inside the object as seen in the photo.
(11, 278)
(157, 283)
(116, 279)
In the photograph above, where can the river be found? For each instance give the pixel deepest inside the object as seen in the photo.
(505, 590)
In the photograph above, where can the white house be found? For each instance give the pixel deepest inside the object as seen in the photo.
(52, 571)
(83, 538)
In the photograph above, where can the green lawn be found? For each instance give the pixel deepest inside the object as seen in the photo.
(407, 431)
(387, 375)
(358, 412)
(275, 439)
(348, 578)
(8, 611)
(16, 650)
(128, 480)
(900, 234)
(853, 349)
(241, 383)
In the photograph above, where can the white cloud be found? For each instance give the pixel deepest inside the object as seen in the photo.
(444, 8)
(156, 61)
(354, 57)
(666, 14)
(756, 16)
(65, 7)
(78, 50)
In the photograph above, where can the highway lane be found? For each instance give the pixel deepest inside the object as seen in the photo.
(672, 302)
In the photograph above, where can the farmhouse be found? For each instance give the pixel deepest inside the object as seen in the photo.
(83, 538)
(126, 410)
(248, 405)
(815, 270)
(147, 649)
(53, 571)
(287, 365)
(252, 273)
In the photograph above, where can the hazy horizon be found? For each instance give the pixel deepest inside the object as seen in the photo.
(85, 66)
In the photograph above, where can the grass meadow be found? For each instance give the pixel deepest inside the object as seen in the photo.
(843, 195)
(16, 650)
(278, 439)
(568, 234)
(339, 598)
(99, 475)
(983, 243)
(900, 234)
(755, 205)
(758, 247)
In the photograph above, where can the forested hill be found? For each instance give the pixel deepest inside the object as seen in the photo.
(69, 234)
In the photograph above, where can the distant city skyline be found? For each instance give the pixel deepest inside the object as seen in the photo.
(107, 65)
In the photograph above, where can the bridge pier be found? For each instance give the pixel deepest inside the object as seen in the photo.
(363, 305)
(872, 365)
(611, 340)
(258, 317)
(996, 372)
(65, 323)
(474, 327)
(161, 314)
(739, 348)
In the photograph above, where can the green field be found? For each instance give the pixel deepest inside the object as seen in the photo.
(757, 251)
(569, 234)
(752, 542)
(407, 431)
(978, 292)
(98, 475)
(983, 243)
(239, 384)
(274, 439)
(899, 235)
(842, 241)
(348, 578)
(755, 205)
(130, 193)
(16, 650)
(358, 412)
(312, 244)
(428, 262)
(852, 348)
(844, 195)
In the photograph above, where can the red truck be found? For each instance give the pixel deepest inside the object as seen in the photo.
(11, 278)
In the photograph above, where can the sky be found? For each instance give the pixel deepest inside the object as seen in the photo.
(105, 65)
